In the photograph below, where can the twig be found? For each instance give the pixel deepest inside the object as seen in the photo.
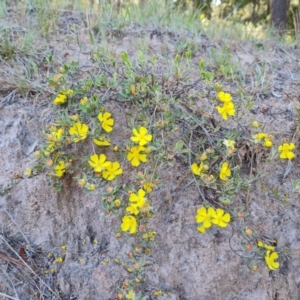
(229, 241)
(25, 264)
(203, 128)
(12, 260)
(17, 226)
(16, 294)
(9, 297)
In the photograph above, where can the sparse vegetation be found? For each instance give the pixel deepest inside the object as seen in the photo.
(130, 104)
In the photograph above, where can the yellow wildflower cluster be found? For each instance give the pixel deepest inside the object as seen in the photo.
(107, 122)
(129, 223)
(150, 235)
(79, 131)
(58, 260)
(286, 150)
(209, 216)
(110, 170)
(270, 256)
(229, 145)
(227, 109)
(200, 169)
(84, 101)
(137, 204)
(60, 168)
(157, 293)
(53, 139)
(101, 141)
(225, 171)
(263, 138)
(138, 154)
(148, 186)
(62, 97)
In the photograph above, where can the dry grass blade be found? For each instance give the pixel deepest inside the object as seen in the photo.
(9, 297)
(12, 260)
(25, 264)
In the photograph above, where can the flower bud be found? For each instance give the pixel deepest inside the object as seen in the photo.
(147, 251)
(248, 231)
(81, 182)
(249, 246)
(138, 249)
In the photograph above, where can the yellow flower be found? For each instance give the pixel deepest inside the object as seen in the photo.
(203, 156)
(151, 235)
(133, 209)
(131, 294)
(68, 92)
(224, 97)
(204, 215)
(141, 136)
(285, 150)
(268, 247)
(225, 171)
(148, 186)
(129, 223)
(27, 172)
(117, 202)
(197, 170)
(157, 293)
(60, 99)
(106, 121)
(79, 131)
(260, 244)
(63, 247)
(74, 117)
(226, 109)
(248, 231)
(260, 136)
(135, 156)
(101, 142)
(112, 169)
(81, 182)
(220, 218)
(37, 154)
(84, 101)
(116, 148)
(270, 260)
(268, 143)
(229, 143)
(55, 135)
(255, 124)
(90, 186)
(98, 162)
(132, 90)
(138, 198)
(60, 169)
(58, 260)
